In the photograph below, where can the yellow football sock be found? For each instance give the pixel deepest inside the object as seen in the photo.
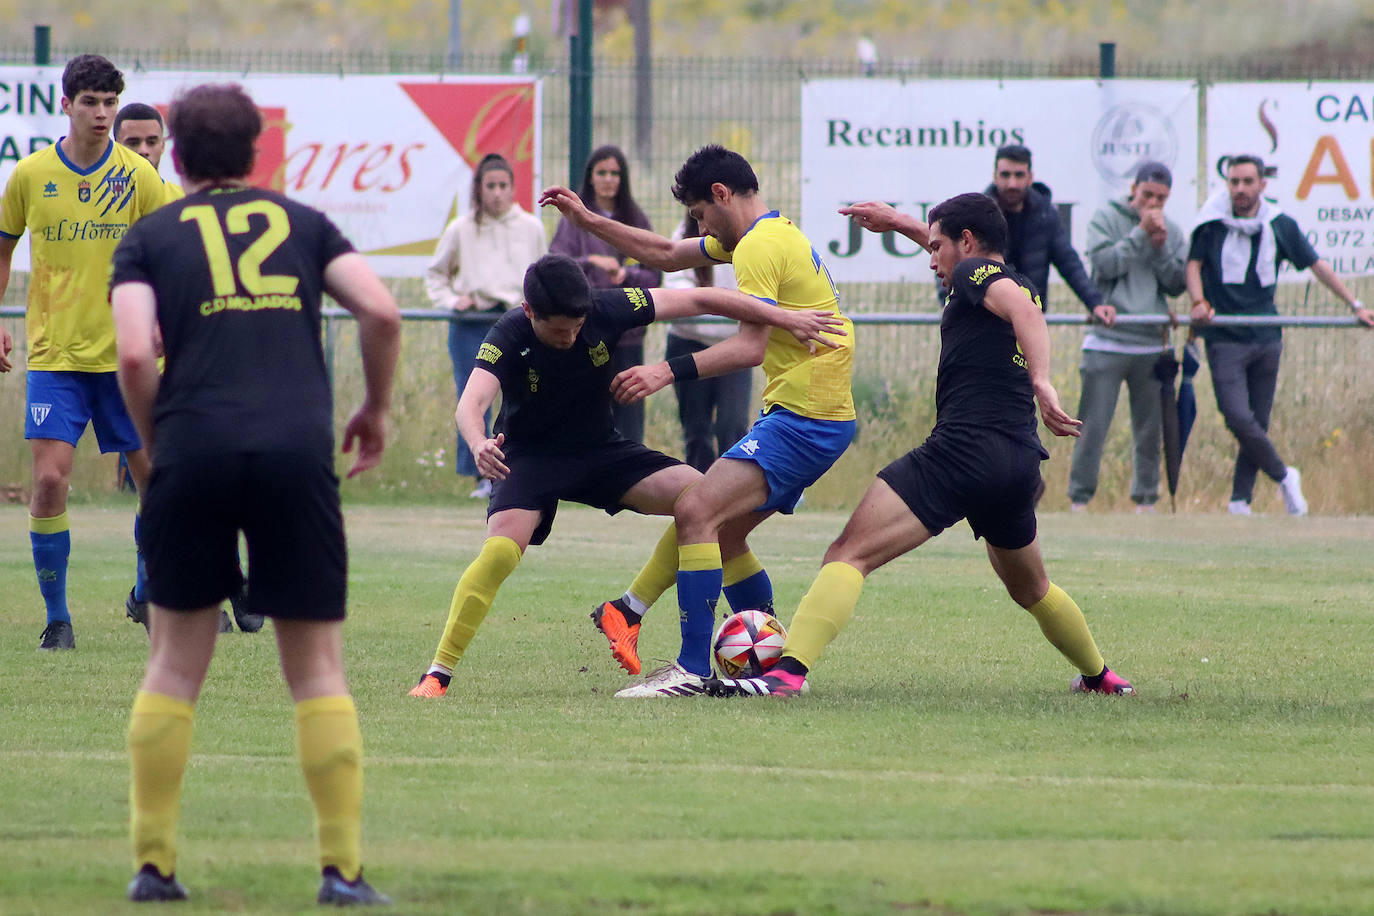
(159, 742)
(331, 751)
(824, 612)
(660, 572)
(737, 569)
(473, 597)
(1063, 625)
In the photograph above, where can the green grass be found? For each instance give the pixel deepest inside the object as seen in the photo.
(939, 766)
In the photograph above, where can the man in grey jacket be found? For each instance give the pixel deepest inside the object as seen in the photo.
(1137, 256)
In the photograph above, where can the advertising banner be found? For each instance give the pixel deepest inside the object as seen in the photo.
(1317, 139)
(916, 143)
(388, 158)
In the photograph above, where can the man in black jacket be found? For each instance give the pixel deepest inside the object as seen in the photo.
(1036, 238)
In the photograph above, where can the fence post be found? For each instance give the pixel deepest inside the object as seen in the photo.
(42, 45)
(580, 94)
(1106, 60)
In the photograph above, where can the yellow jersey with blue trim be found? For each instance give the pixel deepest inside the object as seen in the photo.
(75, 218)
(776, 263)
(172, 191)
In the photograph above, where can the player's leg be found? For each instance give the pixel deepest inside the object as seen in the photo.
(136, 605)
(50, 536)
(881, 528)
(1101, 375)
(159, 740)
(730, 488)
(1143, 388)
(1022, 571)
(509, 532)
(191, 542)
(744, 581)
(330, 745)
(619, 619)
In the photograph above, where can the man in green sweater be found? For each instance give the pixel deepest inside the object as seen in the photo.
(1136, 255)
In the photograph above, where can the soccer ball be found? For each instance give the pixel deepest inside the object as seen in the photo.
(747, 643)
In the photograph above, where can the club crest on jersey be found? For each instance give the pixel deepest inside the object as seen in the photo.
(533, 379)
(83, 192)
(50, 189)
(118, 185)
(600, 354)
(40, 413)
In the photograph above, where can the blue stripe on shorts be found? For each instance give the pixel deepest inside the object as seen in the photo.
(793, 452)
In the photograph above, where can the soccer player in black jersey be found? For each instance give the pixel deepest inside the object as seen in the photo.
(227, 282)
(981, 461)
(551, 362)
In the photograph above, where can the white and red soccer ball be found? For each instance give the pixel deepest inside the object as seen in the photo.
(747, 643)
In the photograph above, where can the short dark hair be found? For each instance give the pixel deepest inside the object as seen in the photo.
(93, 73)
(1154, 173)
(979, 214)
(1015, 152)
(555, 286)
(1246, 159)
(137, 111)
(711, 164)
(216, 127)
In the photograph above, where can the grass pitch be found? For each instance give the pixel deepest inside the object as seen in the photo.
(939, 766)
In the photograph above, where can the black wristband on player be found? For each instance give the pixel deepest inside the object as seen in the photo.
(684, 367)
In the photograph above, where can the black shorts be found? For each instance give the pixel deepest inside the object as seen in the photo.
(991, 480)
(599, 477)
(286, 505)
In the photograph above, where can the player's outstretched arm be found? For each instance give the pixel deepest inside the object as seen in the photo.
(1323, 271)
(479, 393)
(354, 286)
(1008, 300)
(743, 350)
(648, 248)
(807, 325)
(6, 339)
(134, 307)
(876, 216)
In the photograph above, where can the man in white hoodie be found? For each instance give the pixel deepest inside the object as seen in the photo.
(1232, 269)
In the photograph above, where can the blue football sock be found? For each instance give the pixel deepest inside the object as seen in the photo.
(698, 589)
(140, 566)
(754, 592)
(52, 545)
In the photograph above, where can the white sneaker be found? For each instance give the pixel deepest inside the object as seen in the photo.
(1291, 488)
(672, 680)
(1078, 507)
(483, 490)
(1145, 509)
(1238, 507)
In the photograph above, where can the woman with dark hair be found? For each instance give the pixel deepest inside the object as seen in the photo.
(478, 267)
(606, 190)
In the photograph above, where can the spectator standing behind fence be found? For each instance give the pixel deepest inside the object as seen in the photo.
(714, 411)
(1237, 244)
(1136, 255)
(1036, 238)
(606, 190)
(479, 266)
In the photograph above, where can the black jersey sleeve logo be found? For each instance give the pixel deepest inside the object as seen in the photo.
(489, 353)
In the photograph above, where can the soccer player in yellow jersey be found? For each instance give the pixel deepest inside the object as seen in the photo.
(76, 199)
(807, 421)
(141, 129)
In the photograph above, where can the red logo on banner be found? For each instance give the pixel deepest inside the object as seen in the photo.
(482, 118)
(271, 147)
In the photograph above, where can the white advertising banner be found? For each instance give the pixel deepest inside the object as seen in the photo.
(1319, 140)
(388, 158)
(916, 143)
